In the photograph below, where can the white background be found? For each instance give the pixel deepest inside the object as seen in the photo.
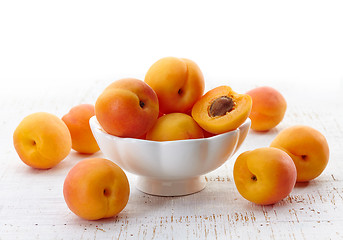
(56, 54)
(52, 43)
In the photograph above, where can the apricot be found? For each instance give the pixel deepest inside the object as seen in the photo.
(175, 126)
(178, 83)
(96, 188)
(127, 108)
(264, 175)
(307, 147)
(221, 110)
(208, 134)
(77, 121)
(268, 108)
(42, 140)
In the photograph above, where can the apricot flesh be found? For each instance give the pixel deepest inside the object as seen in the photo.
(221, 110)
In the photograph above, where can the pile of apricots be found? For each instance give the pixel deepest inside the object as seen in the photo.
(170, 104)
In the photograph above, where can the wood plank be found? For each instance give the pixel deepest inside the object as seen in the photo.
(32, 204)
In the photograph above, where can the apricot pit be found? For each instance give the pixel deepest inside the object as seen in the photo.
(221, 106)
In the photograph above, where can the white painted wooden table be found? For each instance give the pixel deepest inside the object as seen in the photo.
(32, 204)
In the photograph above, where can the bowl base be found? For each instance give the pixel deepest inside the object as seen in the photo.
(169, 188)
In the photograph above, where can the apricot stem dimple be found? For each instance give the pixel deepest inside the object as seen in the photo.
(221, 106)
(304, 157)
(180, 91)
(141, 104)
(107, 192)
(254, 178)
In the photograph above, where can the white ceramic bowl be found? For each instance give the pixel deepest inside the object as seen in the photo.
(170, 168)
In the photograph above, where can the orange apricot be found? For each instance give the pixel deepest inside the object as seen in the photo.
(96, 188)
(127, 108)
(221, 110)
(42, 140)
(268, 108)
(174, 126)
(178, 83)
(307, 147)
(77, 121)
(264, 175)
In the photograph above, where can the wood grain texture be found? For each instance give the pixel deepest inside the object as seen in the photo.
(32, 204)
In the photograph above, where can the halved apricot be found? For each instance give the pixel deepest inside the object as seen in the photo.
(221, 110)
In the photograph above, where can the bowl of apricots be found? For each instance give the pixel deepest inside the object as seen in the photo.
(166, 130)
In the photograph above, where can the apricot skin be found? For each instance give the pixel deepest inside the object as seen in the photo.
(264, 175)
(307, 147)
(175, 126)
(178, 83)
(42, 140)
(268, 108)
(127, 108)
(77, 121)
(223, 123)
(96, 188)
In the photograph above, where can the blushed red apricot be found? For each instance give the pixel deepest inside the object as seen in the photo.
(127, 108)
(268, 108)
(96, 188)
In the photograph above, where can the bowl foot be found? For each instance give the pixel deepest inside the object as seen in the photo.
(163, 187)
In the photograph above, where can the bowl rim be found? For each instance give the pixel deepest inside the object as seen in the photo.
(95, 125)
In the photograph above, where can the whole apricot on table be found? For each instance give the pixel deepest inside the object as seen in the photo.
(178, 83)
(221, 110)
(77, 121)
(127, 108)
(96, 188)
(42, 140)
(268, 108)
(307, 147)
(175, 126)
(264, 175)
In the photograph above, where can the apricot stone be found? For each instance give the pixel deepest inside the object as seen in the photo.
(221, 106)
